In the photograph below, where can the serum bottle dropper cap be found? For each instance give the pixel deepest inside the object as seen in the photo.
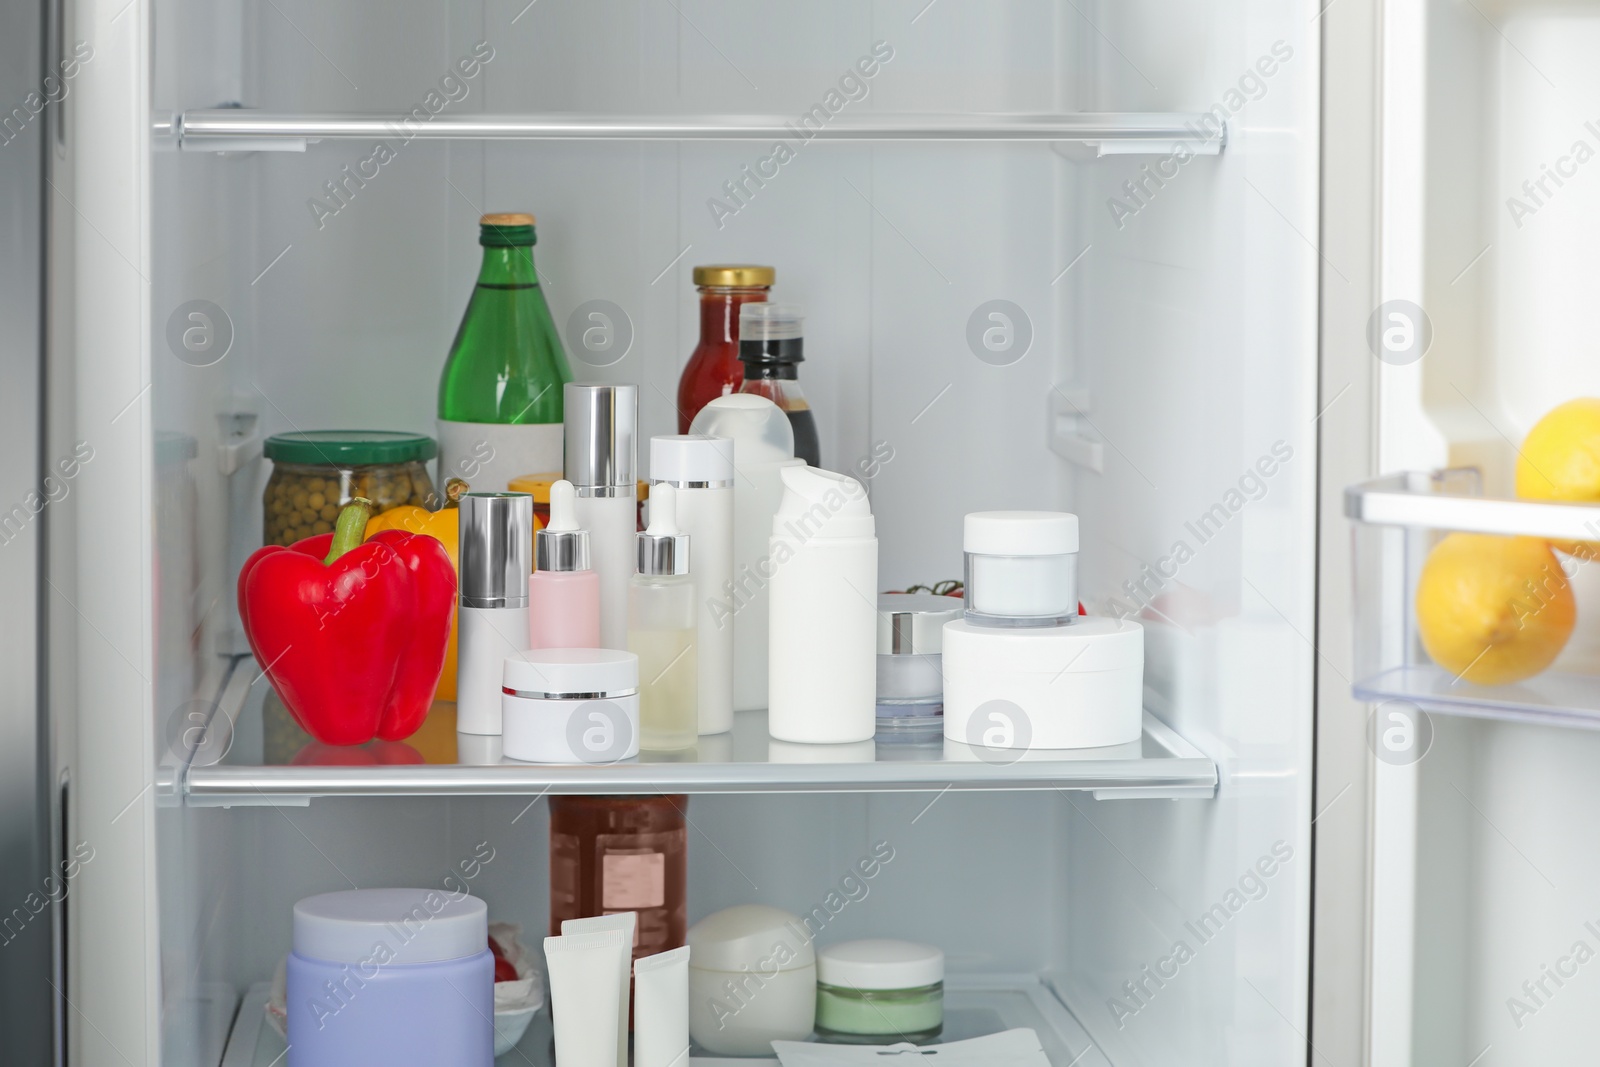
(663, 549)
(562, 546)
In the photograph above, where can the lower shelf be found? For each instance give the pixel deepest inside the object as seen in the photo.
(1551, 698)
(975, 1005)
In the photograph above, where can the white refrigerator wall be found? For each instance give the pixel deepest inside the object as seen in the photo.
(1170, 326)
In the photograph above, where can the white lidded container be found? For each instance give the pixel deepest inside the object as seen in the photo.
(1021, 567)
(1072, 686)
(880, 990)
(822, 634)
(700, 468)
(763, 446)
(570, 705)
(752, 980)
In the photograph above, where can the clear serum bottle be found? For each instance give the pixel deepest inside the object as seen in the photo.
(663, 620)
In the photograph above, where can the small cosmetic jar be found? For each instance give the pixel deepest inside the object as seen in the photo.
(402, 977)
(570, 705)
(878, 989)
(1021, 567)
(910, 678)
(752, 980)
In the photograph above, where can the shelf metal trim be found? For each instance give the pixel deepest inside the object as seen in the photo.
(241, 129)
(1398, 500)
(1187, 773)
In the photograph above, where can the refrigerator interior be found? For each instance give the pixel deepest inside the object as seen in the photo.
(1164, 340)
(1498, 255)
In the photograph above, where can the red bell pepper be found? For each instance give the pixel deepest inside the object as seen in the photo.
(351, 633)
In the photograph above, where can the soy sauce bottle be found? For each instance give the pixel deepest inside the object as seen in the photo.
(771, 348)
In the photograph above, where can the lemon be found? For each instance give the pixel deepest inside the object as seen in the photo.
(1494, 610)
(1560, 460)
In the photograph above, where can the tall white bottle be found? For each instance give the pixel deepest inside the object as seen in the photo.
(823, 643)
(700, 470)
(601, 457)
(496, 552)
(763, 446)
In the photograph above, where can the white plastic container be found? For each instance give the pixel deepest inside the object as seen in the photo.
(752, 980)
(601, 455)
(823, 638)
(763, 446)
(661, 1016)
(496, 537)
(910, 667)
(570, 705)
(700, 469)
(1021, 567)
(1074, 686)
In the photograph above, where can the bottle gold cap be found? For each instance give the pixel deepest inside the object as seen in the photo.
(738, 275)
(511, 218)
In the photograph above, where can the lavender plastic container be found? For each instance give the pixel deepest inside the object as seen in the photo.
(398, 977)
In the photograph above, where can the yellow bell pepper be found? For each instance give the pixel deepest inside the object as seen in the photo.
(444, 526)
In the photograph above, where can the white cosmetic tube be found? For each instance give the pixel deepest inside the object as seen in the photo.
(624, 924)
(661, 1017)
(583, 997)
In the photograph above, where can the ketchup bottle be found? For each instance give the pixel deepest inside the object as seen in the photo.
(714, 369)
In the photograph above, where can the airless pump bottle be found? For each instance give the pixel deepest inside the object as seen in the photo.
(496, 542)
(600, 463)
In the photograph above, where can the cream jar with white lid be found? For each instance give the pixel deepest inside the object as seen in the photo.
(880, 990)
(570, 705)
(752, 980)
(1021, 567)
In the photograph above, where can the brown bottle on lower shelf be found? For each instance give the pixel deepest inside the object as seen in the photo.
(610, 854)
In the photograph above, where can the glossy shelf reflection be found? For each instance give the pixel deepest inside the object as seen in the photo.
(267, 759)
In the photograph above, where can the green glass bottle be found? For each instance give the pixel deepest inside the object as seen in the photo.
(500, 393)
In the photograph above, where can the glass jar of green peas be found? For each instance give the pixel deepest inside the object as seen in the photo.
(316, 472)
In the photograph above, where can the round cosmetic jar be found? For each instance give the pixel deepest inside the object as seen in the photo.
(570, 705)
(402, 977)
(752, 980)
(1021, 567)
(879, 989)
(910, 677)
(1045, 687)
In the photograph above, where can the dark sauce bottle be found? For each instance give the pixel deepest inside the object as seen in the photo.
(771, 348)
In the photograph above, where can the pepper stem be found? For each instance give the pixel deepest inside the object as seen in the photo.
(350, 528)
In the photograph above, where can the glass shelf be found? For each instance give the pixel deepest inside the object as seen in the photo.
(256, 754)
(244, 129)
(1399, 518)
(975, 1006)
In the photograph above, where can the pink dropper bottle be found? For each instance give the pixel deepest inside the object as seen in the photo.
(564, 593)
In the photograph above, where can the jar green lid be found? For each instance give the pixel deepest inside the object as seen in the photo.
(348, 448)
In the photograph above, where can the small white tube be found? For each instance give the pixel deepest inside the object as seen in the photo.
(661, 1017)
(625, 924)
(583, 997)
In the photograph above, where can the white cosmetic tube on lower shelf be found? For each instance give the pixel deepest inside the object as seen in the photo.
(625, 923)
(661, 1014)
(583, 997)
